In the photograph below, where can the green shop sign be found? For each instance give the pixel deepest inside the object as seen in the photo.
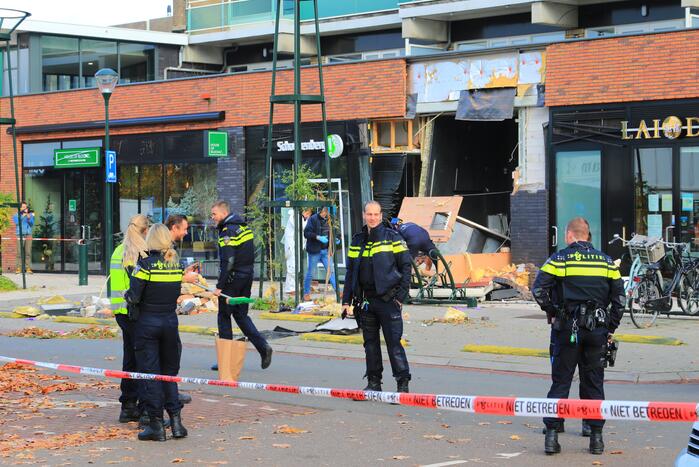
(217, 144)
(80, 157)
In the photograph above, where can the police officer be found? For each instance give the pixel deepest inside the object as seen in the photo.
(121, 265)
(418, 240)
(152, 299)
(376, 285)
(586, 282)
(237, 256)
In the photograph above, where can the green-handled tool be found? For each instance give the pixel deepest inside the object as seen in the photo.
(230, 300)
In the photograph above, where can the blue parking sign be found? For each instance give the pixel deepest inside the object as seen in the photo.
(111, 166)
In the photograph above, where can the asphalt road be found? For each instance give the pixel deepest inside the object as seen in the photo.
(346, 433)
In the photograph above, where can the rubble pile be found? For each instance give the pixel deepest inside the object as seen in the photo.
(195, 299)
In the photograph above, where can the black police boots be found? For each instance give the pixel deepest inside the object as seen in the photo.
(596, 441)
(144, 421)
(561, 428)
(266, 357)
(403, 385)
(374, 384)
(586, 430)
(551, 445)
(155, 431)
(214, 367)
(178, 430)
(184, 397)
(129, 412)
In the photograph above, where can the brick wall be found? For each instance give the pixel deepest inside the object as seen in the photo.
(230, 171)
(529, 226)
(623, 69)
(353, 91)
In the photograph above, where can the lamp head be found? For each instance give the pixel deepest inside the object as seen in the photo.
(107, 80)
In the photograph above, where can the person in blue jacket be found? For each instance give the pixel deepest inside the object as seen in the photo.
(27, 225)
(317, 233)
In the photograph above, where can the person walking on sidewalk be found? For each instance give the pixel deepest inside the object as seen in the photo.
(26, 222)
(121, 266)
(152, 300)
(589, 282)
(237, 257)
(377, 284)
(317, 233)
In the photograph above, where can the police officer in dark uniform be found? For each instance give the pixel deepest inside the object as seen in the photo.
(237, 257)
(151, 301)
(376, 285)
(417, 238)
(575, 287)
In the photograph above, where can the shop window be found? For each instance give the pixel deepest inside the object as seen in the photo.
(95, 55)
(136, 62)
(42, 191)
(393, 136)
(60, 64)
(140, 191)
(39, 154)
(653, 191)
(190, 190)
(689, 197)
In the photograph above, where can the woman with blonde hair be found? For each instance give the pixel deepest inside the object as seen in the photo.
(152, 294)
(121, 265)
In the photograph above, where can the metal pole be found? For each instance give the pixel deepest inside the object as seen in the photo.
(108, 240)
(14, 153)
(297, 123)
(325, 138)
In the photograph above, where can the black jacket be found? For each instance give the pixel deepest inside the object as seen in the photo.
(390, 260)
(155, 284)
(315, 227)
(236, 249)
(579, 274)
(417, 238)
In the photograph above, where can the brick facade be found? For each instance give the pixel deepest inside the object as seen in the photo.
(623, 69)
(366, 90)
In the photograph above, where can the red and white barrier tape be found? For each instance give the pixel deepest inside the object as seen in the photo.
(508, 406)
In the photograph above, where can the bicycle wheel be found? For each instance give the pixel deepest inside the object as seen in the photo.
(688, 295)
(641, 315)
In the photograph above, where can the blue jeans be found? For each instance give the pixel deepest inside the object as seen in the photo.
(313, 259)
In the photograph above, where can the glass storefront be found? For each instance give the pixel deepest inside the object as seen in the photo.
(158, 174)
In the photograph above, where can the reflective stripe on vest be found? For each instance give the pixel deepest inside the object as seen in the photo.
(118, 280)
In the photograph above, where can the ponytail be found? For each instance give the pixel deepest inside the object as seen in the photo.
(135, 240)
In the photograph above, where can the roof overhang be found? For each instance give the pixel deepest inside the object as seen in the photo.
(104, 32)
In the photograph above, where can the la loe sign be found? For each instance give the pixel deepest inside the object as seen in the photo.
(335, 146)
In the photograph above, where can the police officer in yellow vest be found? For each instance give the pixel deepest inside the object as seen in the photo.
(122, 263)
(152, 299)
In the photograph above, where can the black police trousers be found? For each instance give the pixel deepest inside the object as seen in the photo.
(238, 288)
(588, 354)
(386, 316)
(158, 350)
(131, 389)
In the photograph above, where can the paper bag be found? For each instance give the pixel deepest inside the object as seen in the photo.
(231, 356)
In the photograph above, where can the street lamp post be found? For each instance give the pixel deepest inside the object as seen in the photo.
(106, 82)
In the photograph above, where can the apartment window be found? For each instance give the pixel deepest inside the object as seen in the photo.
(60, 63)
(137, 62)
(95, 55)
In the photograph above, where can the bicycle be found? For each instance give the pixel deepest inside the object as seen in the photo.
(688, 294)
(654, 293)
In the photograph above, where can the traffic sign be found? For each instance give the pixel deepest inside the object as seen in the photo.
(111, 166)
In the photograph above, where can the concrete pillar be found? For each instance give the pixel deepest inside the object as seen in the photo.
(555, 14)
(425, 29)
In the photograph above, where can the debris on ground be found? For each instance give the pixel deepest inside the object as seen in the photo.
(26, 310)
(89, 332)
(451, 316)
(194, 299)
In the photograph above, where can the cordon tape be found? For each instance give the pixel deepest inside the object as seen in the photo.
(508, 406)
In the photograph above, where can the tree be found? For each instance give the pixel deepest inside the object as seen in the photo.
(46, 228)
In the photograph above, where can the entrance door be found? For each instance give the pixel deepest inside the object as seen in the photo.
(578, 193)
(82, 207)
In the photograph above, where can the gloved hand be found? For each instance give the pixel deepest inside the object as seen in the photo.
(322, 239)
(337, 241)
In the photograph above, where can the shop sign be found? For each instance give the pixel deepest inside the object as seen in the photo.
(672, 128)
(72, 158)
(335, 146)
(217, 144)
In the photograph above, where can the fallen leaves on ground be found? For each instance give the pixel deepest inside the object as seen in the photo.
(515, 438)
(617, 452)
(504, 422)
(89, 332)
(437, 437)
(246, 438)
(400, 458)
(596, 463)
(289, 430)
(177, 460)
(281, 446)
